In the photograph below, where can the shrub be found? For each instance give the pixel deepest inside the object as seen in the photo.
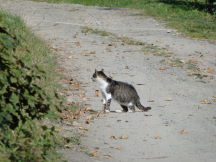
(22, 96)
(29, 142)
(27, 93)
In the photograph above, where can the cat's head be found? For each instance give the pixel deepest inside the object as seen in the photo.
(99, 75)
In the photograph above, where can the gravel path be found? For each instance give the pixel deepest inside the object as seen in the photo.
(178, 128)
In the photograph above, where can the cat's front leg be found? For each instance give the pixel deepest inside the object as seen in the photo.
(108, 102)
(104, 101)
(104, 105)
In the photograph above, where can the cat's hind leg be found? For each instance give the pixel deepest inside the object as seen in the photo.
(104, 102)
(131, 108)
(125, 108)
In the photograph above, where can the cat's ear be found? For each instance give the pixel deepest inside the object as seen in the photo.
(102, 70)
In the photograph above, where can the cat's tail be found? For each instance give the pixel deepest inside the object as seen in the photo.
(141, 107)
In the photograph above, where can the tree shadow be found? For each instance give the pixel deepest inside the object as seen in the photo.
(188, 5)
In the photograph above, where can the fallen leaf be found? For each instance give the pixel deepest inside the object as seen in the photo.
(123, 137)
(147, 115)
(162, 68)
(117, 148)
(113, 137)
(77, 43)
(126, 67)
(97, 148)
(169, 99)
(97, 93)
(208, 70)
(90, 52)
(94, 154)
(182, 61)
(67, 146)
(151, 101)
(107, 156)
(192, 61)
(87, 121)
(83, 128)
(184, 132)
(205, 102)
(157, 137)
(140, 84)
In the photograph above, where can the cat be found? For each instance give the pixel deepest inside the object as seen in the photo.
(124, 93)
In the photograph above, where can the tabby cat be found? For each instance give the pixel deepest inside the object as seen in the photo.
(124, 93)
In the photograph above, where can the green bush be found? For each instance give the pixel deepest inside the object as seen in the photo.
(28, 92)
(21, 95)
(29, 142)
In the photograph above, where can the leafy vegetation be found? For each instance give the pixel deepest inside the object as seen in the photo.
(28, 92)
(194, 18)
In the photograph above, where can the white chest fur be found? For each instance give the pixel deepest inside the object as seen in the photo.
(103, 86)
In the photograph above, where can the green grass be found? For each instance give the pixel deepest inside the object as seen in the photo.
(188, 17)
(146, 48)
(28, 93)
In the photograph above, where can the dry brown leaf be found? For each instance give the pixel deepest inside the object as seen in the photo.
(126, 67)
(140, 84)
(96, 148)
(147, 115)
(123, 137)
(113, 137)
(83, 128)
(77, 43)
(97, 93)
(70, 57)
(87, 121)
(206, 102)
(117, 148)
(182, 61)
(94, 154)
(169, 99)
(107, 156)
(208, 70)
(67, 146)
(184, 132)
(157, 137)
(90, 52)
(192, 61)
(162, 68)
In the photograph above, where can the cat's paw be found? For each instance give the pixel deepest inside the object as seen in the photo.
(131, 111)
(118, 111)
(106, 111)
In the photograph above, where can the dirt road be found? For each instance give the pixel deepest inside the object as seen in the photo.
(182, 123)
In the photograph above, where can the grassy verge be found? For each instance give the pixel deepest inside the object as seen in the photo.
(28, 93)
(190, 65)
(187, 16)
(146, 47)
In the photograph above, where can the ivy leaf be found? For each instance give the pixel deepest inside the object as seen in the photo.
(14, 99)
(13, 80)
